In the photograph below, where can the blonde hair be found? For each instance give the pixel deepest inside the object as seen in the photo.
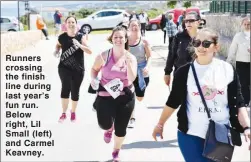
(244, 19)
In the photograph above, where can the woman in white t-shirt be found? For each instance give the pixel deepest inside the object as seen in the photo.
(221, 89)
(239, 54)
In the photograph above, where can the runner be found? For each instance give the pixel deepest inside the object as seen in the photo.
(115, 101)
(178, 54)
(220, 87)
(71, 66)
(141, 49)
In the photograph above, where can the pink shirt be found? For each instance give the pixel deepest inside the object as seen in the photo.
(112, 70)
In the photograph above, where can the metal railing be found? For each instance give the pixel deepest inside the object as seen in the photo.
(236, 7)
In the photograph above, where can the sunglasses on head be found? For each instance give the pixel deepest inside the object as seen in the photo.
(205, 43)
(190, 20)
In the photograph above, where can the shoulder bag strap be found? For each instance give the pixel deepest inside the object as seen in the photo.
(200, 91)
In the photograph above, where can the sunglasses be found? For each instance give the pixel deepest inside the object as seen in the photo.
(190, 20)
(205, 43)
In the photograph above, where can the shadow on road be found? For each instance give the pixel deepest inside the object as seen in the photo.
(150, 144)
(111, 160)
(156, 107)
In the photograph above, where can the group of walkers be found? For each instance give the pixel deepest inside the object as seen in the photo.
(125, 69)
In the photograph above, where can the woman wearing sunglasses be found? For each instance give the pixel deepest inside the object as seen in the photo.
(179, 55)
(221, 90)
(240, 52)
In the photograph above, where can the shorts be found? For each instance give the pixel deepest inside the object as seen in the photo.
(58, 26)
(138, 91)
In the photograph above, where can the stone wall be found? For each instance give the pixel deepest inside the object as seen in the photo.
(15, 41)
(227, 26)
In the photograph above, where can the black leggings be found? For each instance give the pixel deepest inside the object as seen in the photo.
(170, 43)
(143, 29)
(243, 70)
(117, 111)
(45, 32)
(164, 36)
(71, 81)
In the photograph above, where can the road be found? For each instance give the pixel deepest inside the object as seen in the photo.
(83, 140)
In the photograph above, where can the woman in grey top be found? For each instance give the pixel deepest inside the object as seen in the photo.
(140, 48)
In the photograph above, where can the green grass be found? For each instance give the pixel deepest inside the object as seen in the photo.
(101, 32)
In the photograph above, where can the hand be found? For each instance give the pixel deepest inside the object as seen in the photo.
(95, 83)
(167, 79)
(145, 42)
(128, 58)
(56, 54)
(249, 50)
(145, 71)
(158, 130)
(247, 136)
(76, 43)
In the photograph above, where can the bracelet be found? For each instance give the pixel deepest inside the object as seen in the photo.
(160, 126)
(246, 128)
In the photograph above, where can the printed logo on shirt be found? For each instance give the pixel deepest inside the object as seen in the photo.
(69, 61)
(209, 93)
(69, 52)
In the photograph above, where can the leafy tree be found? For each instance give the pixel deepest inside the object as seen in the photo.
(83, 12)
(187, 4)
(171, 4)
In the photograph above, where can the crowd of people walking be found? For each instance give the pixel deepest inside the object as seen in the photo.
(207, 91)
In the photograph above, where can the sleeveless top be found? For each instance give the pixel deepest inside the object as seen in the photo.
(112, 70)
(138, 51)
(72, 57)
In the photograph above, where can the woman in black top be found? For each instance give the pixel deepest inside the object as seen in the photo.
(71, 66)
(179, 55)
(221, 89)
(163, 25)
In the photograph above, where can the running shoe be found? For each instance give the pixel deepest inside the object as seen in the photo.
(131, 123)
(62, 117)
(73, 116)
(115, 156)
(108, 135)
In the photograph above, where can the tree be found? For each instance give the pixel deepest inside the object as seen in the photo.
(187, 4)
(85, 12)
(171, 4)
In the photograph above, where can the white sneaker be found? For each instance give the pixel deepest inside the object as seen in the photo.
(131, 123)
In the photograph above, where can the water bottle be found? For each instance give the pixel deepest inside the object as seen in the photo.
(96, 83)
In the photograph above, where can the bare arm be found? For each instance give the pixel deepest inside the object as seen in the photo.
(148, 52)
(58, 47)
(96, 66)
(131, 66)
(243, 117)
(84, 46)
(166, 113)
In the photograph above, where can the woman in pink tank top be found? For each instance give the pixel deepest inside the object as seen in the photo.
(115, 101)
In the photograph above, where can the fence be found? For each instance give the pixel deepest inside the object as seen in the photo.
(236, 7)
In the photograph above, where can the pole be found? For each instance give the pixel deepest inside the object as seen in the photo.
(18, 15)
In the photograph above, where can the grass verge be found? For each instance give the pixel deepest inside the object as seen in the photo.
(51, 31)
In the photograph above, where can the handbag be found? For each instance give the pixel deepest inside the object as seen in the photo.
(220, 138)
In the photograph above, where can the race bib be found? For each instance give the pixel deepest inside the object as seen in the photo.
(114, 87)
